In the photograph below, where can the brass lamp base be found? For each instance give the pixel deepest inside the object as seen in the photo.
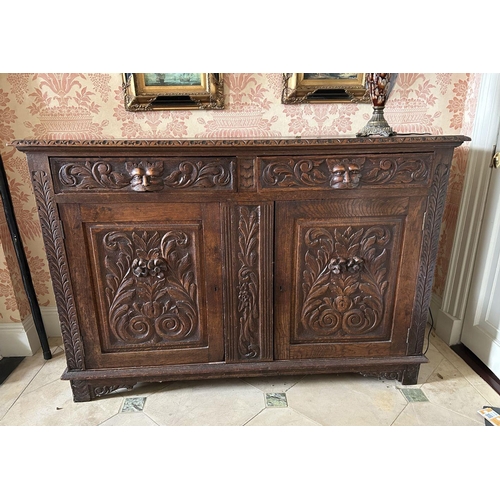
(377, 125)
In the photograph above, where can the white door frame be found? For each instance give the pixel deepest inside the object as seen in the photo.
(449, 316)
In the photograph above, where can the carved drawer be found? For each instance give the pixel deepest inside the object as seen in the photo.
(328, 172)
(142, 174)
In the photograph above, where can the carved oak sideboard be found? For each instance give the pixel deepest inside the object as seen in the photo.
(194, 259)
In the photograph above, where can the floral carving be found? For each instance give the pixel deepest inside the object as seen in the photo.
(344, 280)
(146, 175)
(200, 174)
(248, 287)
(150, 287)
(291, 172)
(435, 208)
(398, 170)
(91, 176)
(51, 229)
(344, 173)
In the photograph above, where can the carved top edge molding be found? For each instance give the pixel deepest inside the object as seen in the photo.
(26, 144)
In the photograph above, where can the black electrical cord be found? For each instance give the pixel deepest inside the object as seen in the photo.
(430, 330)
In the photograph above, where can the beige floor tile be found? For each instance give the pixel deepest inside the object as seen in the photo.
(50, 371)
(53, 404)
(129, 420)
(456, 361)
(429, 414)
(488, 393)
(16, 382)
(55, 341)
(347, 400)
(34, 391)
(218, 402)
(273, 384)
(448, 388)
(280, 417)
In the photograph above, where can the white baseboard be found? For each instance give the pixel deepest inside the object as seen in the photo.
(447, 327)
(18, 339)
(51, 323)
(21, 339)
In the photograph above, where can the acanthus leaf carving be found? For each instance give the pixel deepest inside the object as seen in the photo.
(199, 173)
(430, 242)
(91, 176)
(151, 288)
(56, 256)
(398, 170)
(344, 280)
(144, 175)
(344, 172)
(248, 282)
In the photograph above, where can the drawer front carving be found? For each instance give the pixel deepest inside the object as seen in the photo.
(149, 280)
(143, 174)
(339, 172)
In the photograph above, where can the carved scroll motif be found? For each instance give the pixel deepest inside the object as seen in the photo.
(343, 173)
(248, 279)
(344, 280)
(151, 287)
(145, 175)
(290, 172)
(399, 171)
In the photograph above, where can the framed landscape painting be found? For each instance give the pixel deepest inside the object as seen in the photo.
(299, 88)
(168, 91)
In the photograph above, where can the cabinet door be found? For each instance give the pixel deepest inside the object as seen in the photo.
(345, 276)
(152, 274)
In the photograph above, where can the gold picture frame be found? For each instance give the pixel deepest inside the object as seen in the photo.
(171, 91)
(300, 88)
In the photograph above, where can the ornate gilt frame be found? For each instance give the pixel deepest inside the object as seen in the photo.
(206, 93)
(298, 88)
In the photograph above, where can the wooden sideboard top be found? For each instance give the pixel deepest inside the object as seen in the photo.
(347, 141)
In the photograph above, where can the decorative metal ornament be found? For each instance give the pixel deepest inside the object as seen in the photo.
(378, 88)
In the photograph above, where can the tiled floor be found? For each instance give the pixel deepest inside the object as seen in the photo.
(450, 394)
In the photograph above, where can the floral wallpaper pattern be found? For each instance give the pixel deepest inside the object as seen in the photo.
(90, 106)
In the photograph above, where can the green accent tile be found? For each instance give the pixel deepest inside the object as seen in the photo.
(414, 395)
(133, 405)
(276, 399)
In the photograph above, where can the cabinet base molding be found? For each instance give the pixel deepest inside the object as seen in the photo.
(91, 384)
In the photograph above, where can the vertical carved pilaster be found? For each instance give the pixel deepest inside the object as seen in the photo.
(53, 240)
(430, 242)
(249, 271)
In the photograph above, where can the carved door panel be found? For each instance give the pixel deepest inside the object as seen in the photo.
(345, 276)
(152, 273)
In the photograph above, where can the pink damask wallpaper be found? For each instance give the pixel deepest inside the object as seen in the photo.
(90, 106)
